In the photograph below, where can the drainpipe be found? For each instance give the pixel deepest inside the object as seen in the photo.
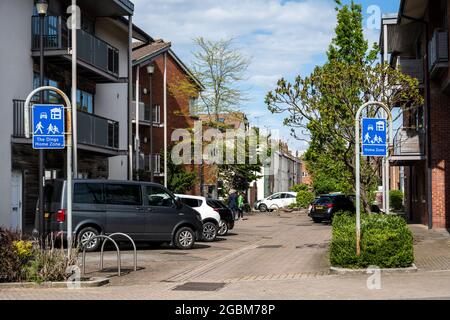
(165, 121)
(427, 132)
(137, 140)
(130, 94)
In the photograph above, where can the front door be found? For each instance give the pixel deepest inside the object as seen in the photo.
(124, 210)
(16, 200)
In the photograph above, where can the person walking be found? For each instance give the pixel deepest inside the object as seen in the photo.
(233, 203)
(240, 202)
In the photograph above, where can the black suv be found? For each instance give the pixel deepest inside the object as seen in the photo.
(145, 211)
(327, 205)
(226, 215)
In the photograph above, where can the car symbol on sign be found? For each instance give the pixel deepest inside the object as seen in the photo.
(43, 115)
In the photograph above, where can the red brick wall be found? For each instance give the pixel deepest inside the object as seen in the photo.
(440, 149)
(177, 111)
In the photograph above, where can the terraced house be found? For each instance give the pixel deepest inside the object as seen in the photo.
(416, 40)
(103, 98)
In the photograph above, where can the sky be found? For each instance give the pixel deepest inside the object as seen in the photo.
(282, 38)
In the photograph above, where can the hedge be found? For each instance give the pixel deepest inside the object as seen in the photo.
(386, 242)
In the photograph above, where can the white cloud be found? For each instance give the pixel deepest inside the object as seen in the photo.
(282, 38)
(279, 37)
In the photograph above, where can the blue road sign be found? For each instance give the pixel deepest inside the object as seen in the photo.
(374, 137)
(48, 126)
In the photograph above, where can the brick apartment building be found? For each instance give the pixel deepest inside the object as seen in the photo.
(153, 61)
(415, 40)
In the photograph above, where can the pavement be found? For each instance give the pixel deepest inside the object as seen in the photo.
(267, 256)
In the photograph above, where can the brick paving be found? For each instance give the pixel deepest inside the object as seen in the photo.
(266, 257)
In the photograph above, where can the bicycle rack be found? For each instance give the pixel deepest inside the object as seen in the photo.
(132, 242)
(101, 262)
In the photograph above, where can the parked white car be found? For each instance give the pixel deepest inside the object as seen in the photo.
(210, 217)
(277, 201)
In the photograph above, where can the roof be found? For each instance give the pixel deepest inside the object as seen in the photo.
(145, 53)
(232, 118)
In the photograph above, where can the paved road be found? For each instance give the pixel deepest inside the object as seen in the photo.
(265, 257)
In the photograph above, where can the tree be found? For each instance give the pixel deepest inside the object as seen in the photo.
(179, 180)
(323, 105)
(220, 67)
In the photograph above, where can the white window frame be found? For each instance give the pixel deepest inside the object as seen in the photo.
(157, 115)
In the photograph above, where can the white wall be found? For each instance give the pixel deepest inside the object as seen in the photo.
(16, 81)
(111, 100)
(117, 37)
(111, 103)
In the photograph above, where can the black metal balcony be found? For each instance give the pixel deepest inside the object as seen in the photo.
(438, 53)
(93, 53)
(92, 130)
(412, 68)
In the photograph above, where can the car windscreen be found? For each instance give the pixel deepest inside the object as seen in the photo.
(323, 200)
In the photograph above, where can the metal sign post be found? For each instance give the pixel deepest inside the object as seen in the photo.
(68, 143)
(373, 145)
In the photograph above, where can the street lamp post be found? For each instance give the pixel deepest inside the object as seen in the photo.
(150, 71)
(41, 7)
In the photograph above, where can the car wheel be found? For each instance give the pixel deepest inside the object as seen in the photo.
(262, 207)
(84, 239)
(184, 238)
(223, 229)
(209, 231)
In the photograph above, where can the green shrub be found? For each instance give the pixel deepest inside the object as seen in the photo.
(300, 187)
(10, 261)
(304, 198)
(386, 242)
(50, 265)
(396, 199)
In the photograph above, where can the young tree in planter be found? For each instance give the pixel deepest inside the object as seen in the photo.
(324, 104)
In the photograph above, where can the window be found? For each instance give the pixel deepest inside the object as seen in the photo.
(193, 203)
(49, 96)
(158, 197)
(85, 101)
(275, 196)
(156, 114)
(288, 196)
(88, 193)
(123, 194)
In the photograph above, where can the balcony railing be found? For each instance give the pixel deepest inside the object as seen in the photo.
(92, 129)
(412, 68)
(144, 162)
(409, 142)
(91, 49)
(144, 113)
(438, 52)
